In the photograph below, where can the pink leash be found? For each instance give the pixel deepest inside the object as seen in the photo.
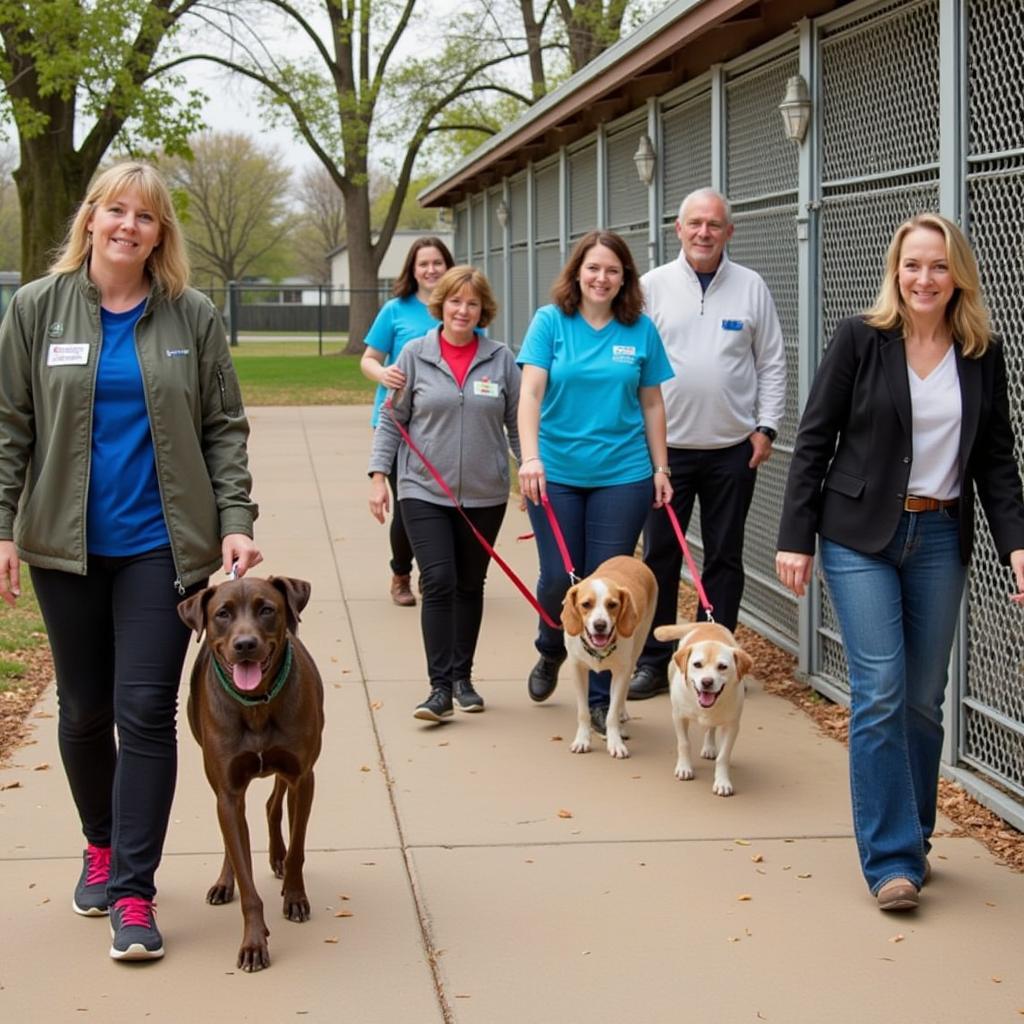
(484, 543)
(702, 597)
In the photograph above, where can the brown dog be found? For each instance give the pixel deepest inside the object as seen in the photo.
(256, 708)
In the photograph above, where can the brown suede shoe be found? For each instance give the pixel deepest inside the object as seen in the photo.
(401, 592)
(898, 894)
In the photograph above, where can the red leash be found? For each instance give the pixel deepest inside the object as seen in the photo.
(690, 564)
(484, 543)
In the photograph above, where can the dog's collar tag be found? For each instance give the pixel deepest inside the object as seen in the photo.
(266, 698)
(600, 655)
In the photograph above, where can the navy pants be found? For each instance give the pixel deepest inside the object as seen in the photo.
(118, 648)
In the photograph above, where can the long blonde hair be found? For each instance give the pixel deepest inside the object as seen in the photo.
(966, 314)
(168, 262)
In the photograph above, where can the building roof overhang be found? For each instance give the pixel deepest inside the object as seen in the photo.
(677, 44)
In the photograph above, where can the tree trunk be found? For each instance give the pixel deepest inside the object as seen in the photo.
(51, 181)
(362, 267)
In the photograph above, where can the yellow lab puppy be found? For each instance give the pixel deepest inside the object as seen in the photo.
(706, 685)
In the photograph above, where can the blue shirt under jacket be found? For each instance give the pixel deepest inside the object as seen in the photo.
(125, 515)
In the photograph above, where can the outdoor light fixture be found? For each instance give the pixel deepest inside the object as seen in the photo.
(501, 212)
(796, 109)
(644, 158)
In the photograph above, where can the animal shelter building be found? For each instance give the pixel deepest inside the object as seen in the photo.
(826, 123)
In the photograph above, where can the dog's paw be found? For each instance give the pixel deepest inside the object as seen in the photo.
(617, 748)
(709, 751)
(220, 893)
(722, 787)
(254, 954)
(581, 743)
(296, 907)
(684, 772)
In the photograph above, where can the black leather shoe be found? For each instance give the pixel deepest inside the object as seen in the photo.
(599, 721)
(648, 681)
(544, 677)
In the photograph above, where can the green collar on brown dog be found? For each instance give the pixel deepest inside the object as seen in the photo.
(266, 698)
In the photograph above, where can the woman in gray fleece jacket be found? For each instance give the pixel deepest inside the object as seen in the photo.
(459, 406)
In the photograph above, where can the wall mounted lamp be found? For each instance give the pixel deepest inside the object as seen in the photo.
(645, 159)
(795, 109)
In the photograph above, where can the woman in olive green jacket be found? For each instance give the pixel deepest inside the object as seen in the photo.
(124, 483)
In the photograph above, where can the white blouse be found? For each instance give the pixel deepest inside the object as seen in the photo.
(936, 411)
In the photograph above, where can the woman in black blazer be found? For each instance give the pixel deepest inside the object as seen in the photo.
(907, 416)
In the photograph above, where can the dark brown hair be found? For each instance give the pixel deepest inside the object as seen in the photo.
(454, 278)
(565, 292)
(406, 285)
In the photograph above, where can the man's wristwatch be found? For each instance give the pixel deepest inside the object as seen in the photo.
(770, 432)
(663, 469)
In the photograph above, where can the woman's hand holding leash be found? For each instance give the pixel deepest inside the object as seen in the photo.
(1017, 565)
(532, 481)
(662, 490)
(240, 554)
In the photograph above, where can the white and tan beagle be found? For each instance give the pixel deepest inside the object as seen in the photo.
(607, 617)
(706, 686)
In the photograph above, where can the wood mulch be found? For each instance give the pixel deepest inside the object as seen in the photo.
(774, 668)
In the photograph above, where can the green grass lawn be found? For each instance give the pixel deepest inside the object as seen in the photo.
(21, 629)
(280, 374)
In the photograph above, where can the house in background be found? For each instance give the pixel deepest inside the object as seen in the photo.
(390, 267)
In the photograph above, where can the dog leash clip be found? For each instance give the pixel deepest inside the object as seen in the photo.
(233, 574)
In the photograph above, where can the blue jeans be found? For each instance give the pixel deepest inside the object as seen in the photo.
(898, 612)
(597, 523)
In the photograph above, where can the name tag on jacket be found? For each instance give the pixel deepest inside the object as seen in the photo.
(486, 388)
(68, 355)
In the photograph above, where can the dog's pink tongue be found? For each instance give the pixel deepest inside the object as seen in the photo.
(706, 698)
(600, 639)
(246, 675)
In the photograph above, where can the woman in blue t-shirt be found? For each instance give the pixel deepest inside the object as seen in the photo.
(592, 430)
(399, 321)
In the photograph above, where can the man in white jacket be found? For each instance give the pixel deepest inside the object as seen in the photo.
(724, 405)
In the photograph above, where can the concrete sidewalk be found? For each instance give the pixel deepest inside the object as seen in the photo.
(491, 875)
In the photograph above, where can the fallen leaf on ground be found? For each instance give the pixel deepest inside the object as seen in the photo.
(998, 981)
(563, 813)
(343, 913)
(343, 896)
(757, 858)
(333, 940)
(744, 897)
(10, 785)
(806, 874)
(364, 768)
(742, 842)
(897, 938)
(377, 705)
(556, 739)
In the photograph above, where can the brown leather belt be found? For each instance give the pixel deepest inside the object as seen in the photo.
(916, 504)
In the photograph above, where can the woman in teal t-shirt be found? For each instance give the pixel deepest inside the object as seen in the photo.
(592, 430)
(399, 321)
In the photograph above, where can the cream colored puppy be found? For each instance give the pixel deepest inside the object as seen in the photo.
(607, 617)
(706, 685)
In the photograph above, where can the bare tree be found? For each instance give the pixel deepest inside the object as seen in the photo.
(354, 96)
(235, 206)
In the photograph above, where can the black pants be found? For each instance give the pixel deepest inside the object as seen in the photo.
(453, 566)
(724, 482)
(118, 648)
(401, 549)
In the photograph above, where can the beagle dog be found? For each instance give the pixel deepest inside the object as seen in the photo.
(706, 686)
(607, 617)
